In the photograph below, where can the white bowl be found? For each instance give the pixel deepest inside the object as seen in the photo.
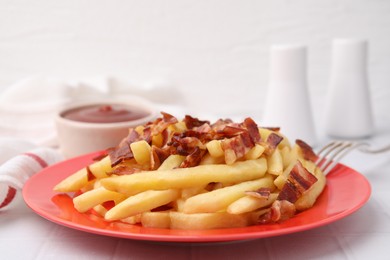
(77, 137)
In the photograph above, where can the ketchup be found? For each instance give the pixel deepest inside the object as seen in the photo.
(105, 113)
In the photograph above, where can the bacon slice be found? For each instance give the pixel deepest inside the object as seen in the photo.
(220, 124)
(192, 122)
(299, 181)
(236, 147)
(279, 211)
(185, 145)
(124, 170)
(158, 156)
(307, 150)
(120, 153)
(193, 159)
(253, 129)
(273, 140)
(231, 131)
(160, 124)
(260, 193)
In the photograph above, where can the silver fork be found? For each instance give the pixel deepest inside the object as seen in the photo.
(332, 153)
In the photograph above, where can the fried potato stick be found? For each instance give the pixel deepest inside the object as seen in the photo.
(220, 199)
(94, 197)
(141, 202)
(186, 177)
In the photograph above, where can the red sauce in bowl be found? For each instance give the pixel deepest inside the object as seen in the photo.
(105, 113)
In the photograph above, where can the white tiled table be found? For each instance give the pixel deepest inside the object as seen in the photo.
(362, 235)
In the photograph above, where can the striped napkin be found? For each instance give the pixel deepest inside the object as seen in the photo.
(19, 161)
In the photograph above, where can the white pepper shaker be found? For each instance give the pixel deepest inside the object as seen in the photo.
(287, 102)
(348, 111)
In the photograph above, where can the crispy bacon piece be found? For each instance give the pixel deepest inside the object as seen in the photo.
(158, 156)
(231, 131)
(124, 170)
(160, 124)
(260, 193)
(185, 145)
(307, 151)
(273, 140)
(204, 129)
(299, 181)
(253, 129)
(132, 136)
(122, 151)
(146, 135)
(165, 136)
(221, 124)
(236, 147)
(193, 159)
(279, 211)
(192, 122)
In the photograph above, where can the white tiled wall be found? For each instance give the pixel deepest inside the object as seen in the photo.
(210, 49)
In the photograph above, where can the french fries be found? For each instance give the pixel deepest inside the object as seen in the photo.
(186, 177)
(220, 199)
(191, 174)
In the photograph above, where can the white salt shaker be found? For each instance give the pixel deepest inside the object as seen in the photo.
(348, 111)
(287, 103)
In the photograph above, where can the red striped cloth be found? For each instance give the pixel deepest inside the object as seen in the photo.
(16, 171)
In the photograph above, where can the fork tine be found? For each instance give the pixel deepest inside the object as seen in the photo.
(333, 153)
(323, 154)
(343, 151)
(340, 149)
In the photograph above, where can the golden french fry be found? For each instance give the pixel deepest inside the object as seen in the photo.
(282, 178)
(275, 163)
(100, 168)
(179, 127)
(100, 210)
(215, 149)
(157, 140)
(171, 162)
(255, 152)
(186, 177)
(141, 202)
(189, 192)
(287, 156)
(208, 159)
(159, 219)
(74, 182)
(250, 203)
(230, 157)
(141, 151)
(179, 220)
(220, 199)
(132, 219)
(94, 197)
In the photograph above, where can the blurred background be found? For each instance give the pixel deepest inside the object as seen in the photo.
(214, 54)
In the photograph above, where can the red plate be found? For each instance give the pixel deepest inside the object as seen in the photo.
(346, 191)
